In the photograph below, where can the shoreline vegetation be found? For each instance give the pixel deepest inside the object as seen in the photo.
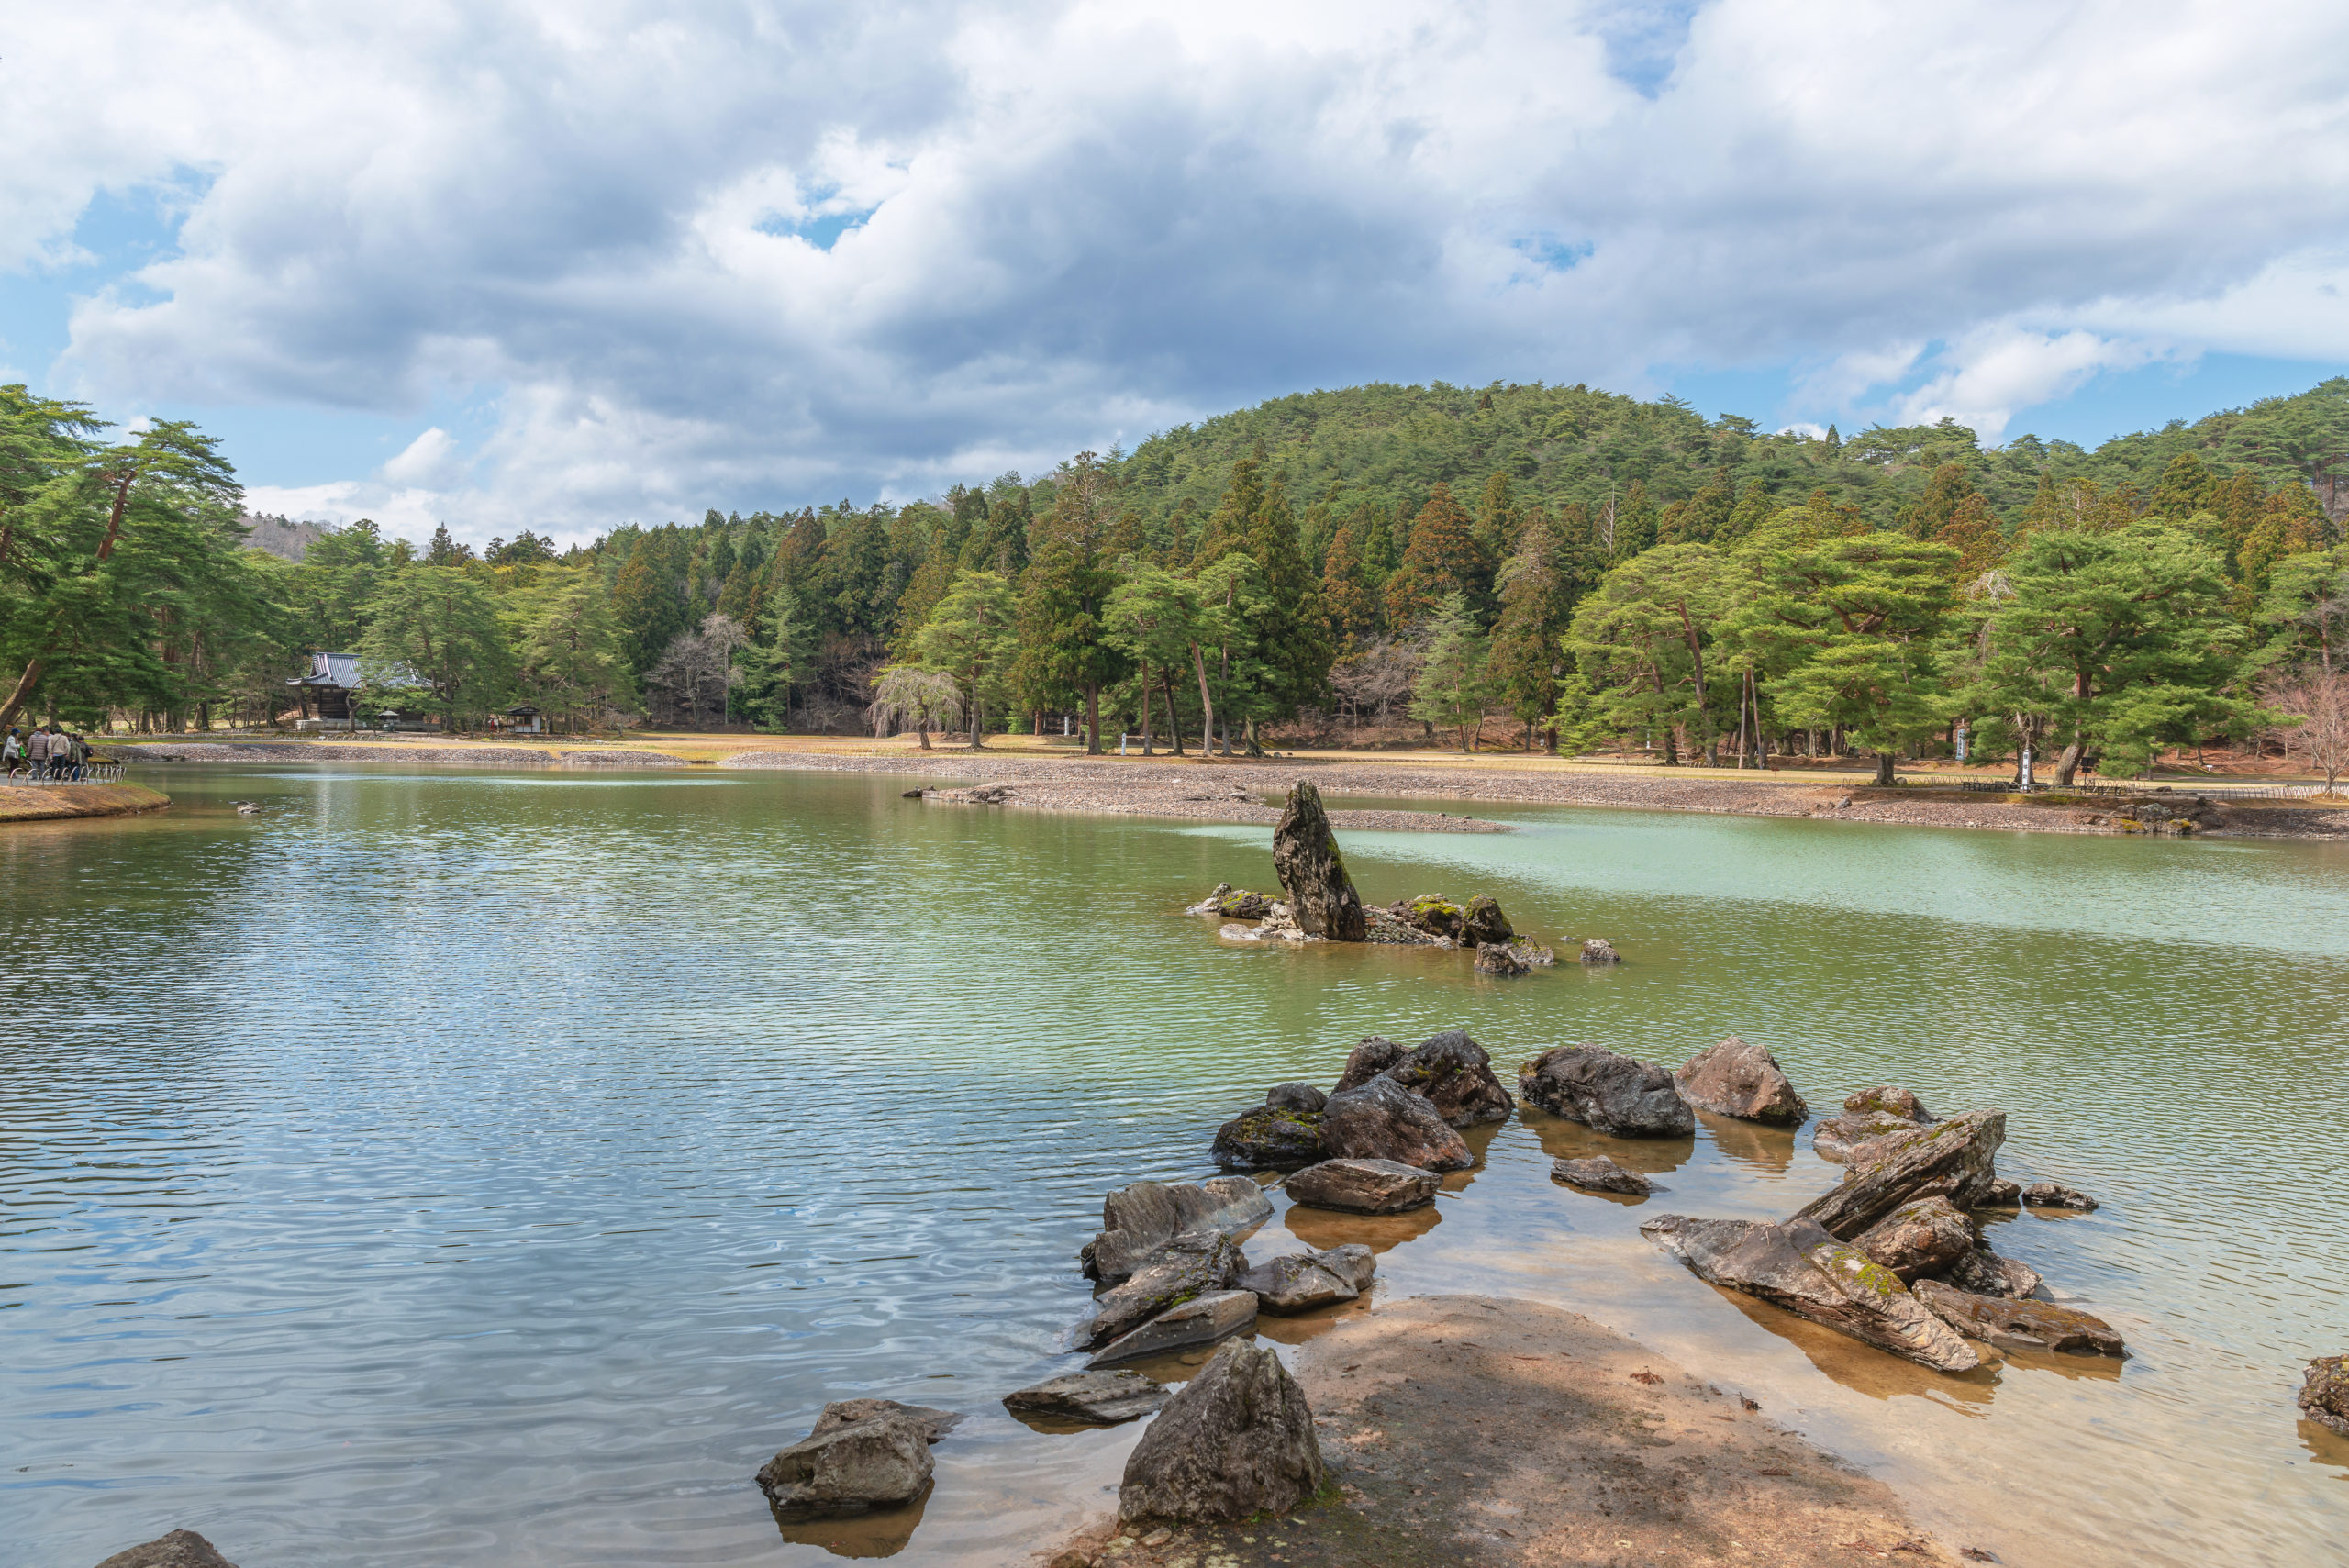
(1590, 571)
(1247, 789)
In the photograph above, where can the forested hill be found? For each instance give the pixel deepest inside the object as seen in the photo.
(1387, 445)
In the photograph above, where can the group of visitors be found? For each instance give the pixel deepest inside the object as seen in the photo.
(49, 752)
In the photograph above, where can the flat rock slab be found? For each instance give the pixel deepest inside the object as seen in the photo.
(1444, 1420)
(934, 1423)
(180, 1548)
(1187, 1266)
(1203, 1320)
(1103, 1398)
(2049, 1195)
(1299, 1281)
(1139, 1219)
(1600, 1174)
(2019, 1324)
(1365, 1186)
(1800, 1268)
(1951, 1159)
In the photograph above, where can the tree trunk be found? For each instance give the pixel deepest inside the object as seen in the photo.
(1206, 706)
(2068, 763)
(975, 711)
(1884, 768)
(1145, 711)
(1093, 718)
(24, 684)
(924, 732)
(1174, 720)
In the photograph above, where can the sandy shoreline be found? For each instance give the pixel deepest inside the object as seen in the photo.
(1246, 790)
(1467, 1429)
(63, 802)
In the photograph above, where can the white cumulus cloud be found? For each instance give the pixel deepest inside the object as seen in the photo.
(758, 251)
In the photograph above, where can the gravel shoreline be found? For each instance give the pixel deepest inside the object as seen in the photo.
(1248, 790)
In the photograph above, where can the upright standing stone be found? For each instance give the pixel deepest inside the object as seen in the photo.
(1322, 897)
(1237, 1440)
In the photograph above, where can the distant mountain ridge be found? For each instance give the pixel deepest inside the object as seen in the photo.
(281, 536)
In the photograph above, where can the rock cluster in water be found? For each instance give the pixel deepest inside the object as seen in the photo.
(1318, 902)
(1893, 1256)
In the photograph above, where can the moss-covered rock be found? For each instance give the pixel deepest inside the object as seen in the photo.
(1269, 1137)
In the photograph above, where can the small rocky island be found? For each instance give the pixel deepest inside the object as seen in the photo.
(1318, 902)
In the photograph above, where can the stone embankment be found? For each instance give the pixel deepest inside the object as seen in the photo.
(61, 802)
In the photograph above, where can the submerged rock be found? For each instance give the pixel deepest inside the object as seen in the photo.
(1919, 1239)
(1267, 1138)
(1734, 1079)
(1299, 1281)
(881, 1464)
(2048, 1195)
(1321, 897)
(1454, 1074)
(1998, 1193)
(1142, 1216)
(1984, 1272)
(1236, 1442)
(1869, 1114)
(1501, 963)
(1600, 951)
(1800, 1267)
(1611, 1093)
(2324, 1393)
(1600, 1174)
(1363, 1186)
(1533, 955)
(2019, 1323)
(1383, 1120)
(1187, 1266)
(1104, 1398)
(1202, 1321)
(180, 1548)
(1951, 1159)
(1295, 1097)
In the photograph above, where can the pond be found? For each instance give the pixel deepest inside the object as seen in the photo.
(459, 1168)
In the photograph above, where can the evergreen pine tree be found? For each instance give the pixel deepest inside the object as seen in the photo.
(1441, 560)
(1292, 634)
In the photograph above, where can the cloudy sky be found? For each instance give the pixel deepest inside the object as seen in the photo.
(517, 264)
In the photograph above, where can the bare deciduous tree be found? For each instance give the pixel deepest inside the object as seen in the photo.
(697, 672)
(2316, 701)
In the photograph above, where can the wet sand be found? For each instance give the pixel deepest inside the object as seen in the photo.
(1467, 1429)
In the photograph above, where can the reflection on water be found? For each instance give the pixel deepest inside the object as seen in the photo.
(483, 1170)
(882, 1534)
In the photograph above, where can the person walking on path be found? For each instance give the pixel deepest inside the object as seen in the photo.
(37, 752)
(77, 755)
(12, 751)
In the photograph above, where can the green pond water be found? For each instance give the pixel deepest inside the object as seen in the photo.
(459, 1168)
